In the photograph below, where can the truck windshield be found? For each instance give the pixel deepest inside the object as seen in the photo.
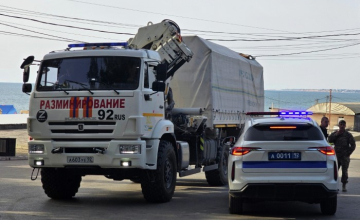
(84, 73)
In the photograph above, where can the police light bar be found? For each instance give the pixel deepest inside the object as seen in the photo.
(123, 44)
(285, 113)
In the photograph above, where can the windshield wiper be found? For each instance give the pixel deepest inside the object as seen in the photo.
(94, 80)
(81, 84)
(57, 86)
(295, 138)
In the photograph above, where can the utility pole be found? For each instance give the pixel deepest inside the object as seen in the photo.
(330, 110)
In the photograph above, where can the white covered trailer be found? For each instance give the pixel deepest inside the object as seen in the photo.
(220, 80)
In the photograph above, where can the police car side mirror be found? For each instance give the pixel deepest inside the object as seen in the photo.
(158, 86)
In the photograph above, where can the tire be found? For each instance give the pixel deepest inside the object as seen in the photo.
(159, 185)
(219, 176)
(328, 207)
(59, 184)
(235, 205)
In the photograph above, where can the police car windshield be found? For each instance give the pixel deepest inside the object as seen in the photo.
(94, 73)
(280, 132)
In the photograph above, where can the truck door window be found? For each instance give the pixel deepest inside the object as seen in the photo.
(146, 77)
(49, 77)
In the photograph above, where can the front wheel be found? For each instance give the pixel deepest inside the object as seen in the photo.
(159, 185)
(59, 184)
(328, 207)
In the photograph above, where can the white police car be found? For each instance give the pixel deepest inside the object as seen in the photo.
(282, 158)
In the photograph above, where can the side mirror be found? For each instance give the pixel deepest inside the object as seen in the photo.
(26, 66)
(26, 74)
(158, 86)
(26, 88)
(161, 72)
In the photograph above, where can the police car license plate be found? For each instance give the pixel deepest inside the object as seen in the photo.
(284, 155)
(80, 159)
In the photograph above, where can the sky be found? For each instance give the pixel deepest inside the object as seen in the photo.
(290, 39)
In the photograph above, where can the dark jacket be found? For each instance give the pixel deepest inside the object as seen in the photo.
(324, 131)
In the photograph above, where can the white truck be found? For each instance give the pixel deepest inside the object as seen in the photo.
(107, 109)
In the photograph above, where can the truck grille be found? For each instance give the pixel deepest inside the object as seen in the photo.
(89, 131)
(82, 127)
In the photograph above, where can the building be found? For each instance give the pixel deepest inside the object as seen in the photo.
(348, 111)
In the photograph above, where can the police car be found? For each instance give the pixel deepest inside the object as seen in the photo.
(282, 157)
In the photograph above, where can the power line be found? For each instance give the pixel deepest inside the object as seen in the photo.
(289, 38)
(32, 36)
(313, 51)
(39, 32)
(62, 25)
(312, 59)
(60, 31)
(192, 18)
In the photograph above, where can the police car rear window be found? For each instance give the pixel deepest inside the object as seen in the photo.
(282, 132)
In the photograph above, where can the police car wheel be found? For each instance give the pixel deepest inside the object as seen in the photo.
(59, 184)
(328, 207)
(235, 205)
(159, 185)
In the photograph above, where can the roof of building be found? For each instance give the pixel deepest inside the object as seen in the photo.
(343, 108)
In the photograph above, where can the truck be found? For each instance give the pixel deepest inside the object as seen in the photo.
(119, 110)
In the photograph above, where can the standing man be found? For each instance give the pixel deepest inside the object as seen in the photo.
(324, 124)
(344, 146)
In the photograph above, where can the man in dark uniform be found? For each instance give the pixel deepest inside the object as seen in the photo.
(323, 125)
(344, 146)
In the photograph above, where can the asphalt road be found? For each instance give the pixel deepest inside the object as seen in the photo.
(101, 198)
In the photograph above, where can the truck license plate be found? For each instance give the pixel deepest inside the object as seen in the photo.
(80, 159)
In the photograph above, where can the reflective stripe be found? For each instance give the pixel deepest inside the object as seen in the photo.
(201, 144)
(284, 164)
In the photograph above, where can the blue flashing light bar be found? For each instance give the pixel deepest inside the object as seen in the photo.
(123, 44)
(286, 113)
(296, 113)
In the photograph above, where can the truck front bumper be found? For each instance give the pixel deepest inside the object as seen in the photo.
(82, 154)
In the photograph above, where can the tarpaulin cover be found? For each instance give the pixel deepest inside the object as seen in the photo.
(7, 109)
(220, 80)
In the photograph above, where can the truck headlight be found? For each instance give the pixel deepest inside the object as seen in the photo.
(130, 149)
(36, 149)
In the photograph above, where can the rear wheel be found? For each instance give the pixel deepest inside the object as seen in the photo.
(328, 207)
(219, 177)
(235, 205)
(159, 185)
(59, 184)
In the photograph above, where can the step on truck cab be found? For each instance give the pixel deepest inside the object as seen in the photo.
(107, 109)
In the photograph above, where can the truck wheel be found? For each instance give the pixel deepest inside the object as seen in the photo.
(328, 207)
(159, 185)
(136, 180)
(235, 205)
(59, 184)
(219, 176)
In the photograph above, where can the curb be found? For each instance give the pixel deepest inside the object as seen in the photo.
(13, 158)
(12, 126)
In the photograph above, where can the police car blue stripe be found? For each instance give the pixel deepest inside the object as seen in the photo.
(284, 164)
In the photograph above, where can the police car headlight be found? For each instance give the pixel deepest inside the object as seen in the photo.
(36, 149)
(130, 149)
